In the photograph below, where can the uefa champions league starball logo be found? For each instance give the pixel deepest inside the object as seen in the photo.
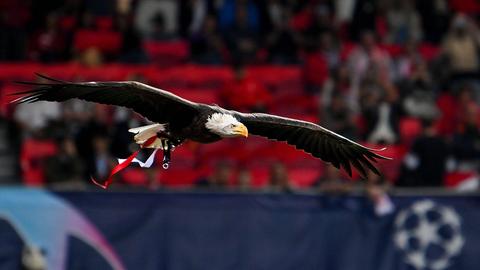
(429, 235)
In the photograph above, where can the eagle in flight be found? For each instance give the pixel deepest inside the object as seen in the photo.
(178, 120)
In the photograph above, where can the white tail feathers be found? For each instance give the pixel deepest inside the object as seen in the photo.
(146, 132)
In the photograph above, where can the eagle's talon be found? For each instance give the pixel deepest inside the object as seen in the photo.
(166, 153)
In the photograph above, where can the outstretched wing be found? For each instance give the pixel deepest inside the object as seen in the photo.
(314, 139)
(155, 104)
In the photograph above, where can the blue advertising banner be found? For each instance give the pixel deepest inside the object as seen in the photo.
(183, 231)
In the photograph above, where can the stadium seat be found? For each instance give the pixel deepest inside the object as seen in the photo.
(198, 95)
(179, 177)
(106, 41)
(166, 53)
(104, 23)
(410, 128)
(454, 179)
(303, 178)
(32, 155)
(260, 177)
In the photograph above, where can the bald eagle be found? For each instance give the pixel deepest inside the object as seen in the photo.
(178, 120)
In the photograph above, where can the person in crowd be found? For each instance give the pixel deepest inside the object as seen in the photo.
(376, 188)
(282, 42)
(132, 50)
(233, 12)
(244, 179)
(91, 57)
(403, 22)
(460, 47)
(332, 181)
(337, 116)
(192, 15)
(368, 57)
(101, 162)
(207, 45)
(157, 19)
(66, 169)
(245, 93)
(278, 179)
(434, 16)
(50, 43)
(466, 140)
(381, 112)
(242, 37)
(14, 18)
(220, 178)
(425, 164)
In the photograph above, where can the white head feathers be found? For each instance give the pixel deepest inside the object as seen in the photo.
(225, 125)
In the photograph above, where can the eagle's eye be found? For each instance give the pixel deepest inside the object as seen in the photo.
(231, 126)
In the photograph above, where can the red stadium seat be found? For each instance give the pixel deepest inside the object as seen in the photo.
(106, 41)
(104, 23)
(198, 95)
(410, 128)
(32, 155)
(167, 52)
(303, 178)
(453, 179)
(179, 177)
(260, 177)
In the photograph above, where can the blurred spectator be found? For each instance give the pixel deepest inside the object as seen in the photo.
(381, 112)
(245, 93)
(282, 41)
(403, 22)
(364, 18)
(14, 17)
(377, 188)
(192, 15)
(278, 179)
(339, 83)
(220, 178)
(319, 25)
(153, 17)
(101, 162)
(315, 70)
(95, 126)
(132, 44)
(425, 164)
(466, 141)
(65, 169)
(461, 48)
(332, 181)
(91, 57)
(337, 116)
(244, 179)
(238, 12)
(206, 45)
(416, 86)
(159, 30)
(242, 37)
(50, 44)
(369, 57)
(434, 18)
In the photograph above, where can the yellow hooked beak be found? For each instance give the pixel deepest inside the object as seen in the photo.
(241, 130)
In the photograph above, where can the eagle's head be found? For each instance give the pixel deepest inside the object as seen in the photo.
(226, 126)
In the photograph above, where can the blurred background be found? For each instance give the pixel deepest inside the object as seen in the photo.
(396, 73)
